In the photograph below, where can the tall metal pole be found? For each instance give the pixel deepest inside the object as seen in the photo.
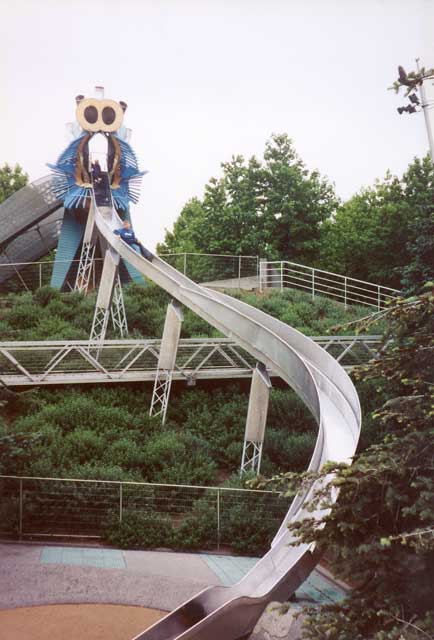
(425, 107)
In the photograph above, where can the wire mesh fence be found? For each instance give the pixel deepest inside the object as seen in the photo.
(203, 268)
(70, 508)
(19, 277)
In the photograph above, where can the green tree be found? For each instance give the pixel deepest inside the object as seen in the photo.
(185, 236)
(380, 531)
(272, 207)
(419, 193)
(367, 239)
(11, 180)
(382, 234)
(296, 203)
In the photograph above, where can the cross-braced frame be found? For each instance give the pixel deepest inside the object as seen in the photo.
(119, 317)
(161, 393)
(251, 458)
(85, 267)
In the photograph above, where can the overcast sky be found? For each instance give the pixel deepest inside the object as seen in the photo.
(204, 80)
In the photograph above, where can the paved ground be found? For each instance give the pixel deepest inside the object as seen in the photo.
(32, 574)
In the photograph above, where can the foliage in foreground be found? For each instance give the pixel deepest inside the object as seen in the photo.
(380, 531)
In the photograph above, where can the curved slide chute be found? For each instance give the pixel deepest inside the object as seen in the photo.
(29, 224)
(325, 388)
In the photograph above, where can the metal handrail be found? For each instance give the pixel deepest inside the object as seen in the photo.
(136, 483)
(338, 275)
(284, 273)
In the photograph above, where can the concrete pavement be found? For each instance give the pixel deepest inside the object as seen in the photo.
(35, 574)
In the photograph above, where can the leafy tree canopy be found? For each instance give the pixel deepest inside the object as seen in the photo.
(11, 180)
(385, 232)
(271, 207)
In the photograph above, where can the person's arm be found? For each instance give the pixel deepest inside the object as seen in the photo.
(117, 232)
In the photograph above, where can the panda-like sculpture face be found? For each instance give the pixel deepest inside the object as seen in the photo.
(99, 115)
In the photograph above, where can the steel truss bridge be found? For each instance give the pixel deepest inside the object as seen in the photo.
(74, 362)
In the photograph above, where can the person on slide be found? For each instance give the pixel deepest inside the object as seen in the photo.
(129, 237)
(96, 172)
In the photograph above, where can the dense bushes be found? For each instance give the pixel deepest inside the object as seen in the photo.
(108, 429)
(105, 433)
(246, 526)
(48, 314)
(140, 530)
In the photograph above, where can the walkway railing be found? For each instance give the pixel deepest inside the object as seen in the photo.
(72, 508)
(73, 362)
(19, 277)
(282, 274)
(226, 271)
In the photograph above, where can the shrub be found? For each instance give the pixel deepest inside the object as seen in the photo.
(139, 531)
(178, 458)
(288, 451)
(198, 530)
(247, 528)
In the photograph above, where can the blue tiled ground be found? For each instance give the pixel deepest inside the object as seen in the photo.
(229, 569)
(316, 588)
(102, 558)
(319, 589)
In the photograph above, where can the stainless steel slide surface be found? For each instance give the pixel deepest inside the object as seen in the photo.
(325, 388)
(29, 224)
(25, 208)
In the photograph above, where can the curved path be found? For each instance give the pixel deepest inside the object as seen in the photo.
(325, 388)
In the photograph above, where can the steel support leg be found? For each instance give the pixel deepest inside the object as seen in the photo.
(103, 302)
(166, 361)
(119, 317)
(161, 394)
(256, 420)
(87, 254)
(85, 268)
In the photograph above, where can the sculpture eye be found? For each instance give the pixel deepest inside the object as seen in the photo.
(91, 114)
(108, 115)
(99, 115)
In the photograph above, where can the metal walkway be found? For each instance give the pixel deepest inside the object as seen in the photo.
(322, 384)
(72, 362)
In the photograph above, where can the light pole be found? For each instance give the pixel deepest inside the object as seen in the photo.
(413, 83)
(425, 106)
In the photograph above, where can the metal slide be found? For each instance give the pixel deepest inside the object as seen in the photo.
(29, 222)
(231, 612)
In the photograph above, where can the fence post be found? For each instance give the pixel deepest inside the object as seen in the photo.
(313, 284)
(379, 299)
(218, 519)
(185, 264)
(40, 275)
(239, 272)
(345, 293)
(120, 501)
(262, 275)
(20, 524)
(281, 276)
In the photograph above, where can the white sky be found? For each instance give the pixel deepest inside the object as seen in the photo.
(207, 79)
